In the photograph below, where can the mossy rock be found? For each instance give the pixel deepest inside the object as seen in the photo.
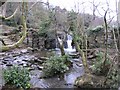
(84, 81)
(89, 81)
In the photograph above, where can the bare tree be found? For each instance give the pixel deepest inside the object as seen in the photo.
(118, 21)
(106, 38)
(94, 8)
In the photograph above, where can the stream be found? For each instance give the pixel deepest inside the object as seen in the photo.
(33, 61)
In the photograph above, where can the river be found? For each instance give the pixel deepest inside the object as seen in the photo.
(32, 60)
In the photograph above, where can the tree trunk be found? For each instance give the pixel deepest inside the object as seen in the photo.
(5, 48)
(84, 59)
(106, 39)
(61, 46)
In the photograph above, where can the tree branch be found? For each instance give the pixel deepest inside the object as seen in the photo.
(5, 48)
(7, 18)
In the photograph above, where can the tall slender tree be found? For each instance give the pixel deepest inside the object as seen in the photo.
(76, 27)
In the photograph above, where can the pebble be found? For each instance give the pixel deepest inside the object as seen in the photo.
(38, 60)
(43, 58)
(9, 64)
(4, 62)
(24, 51)
(39, 67)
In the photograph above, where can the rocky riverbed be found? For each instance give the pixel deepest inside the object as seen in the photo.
(33, 61)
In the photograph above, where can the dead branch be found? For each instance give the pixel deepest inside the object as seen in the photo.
(7, 18)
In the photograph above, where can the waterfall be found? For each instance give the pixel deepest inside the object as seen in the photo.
(69, 41)
(69, 46)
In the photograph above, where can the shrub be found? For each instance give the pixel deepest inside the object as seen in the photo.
(111, 71)
(114, 78)
(56, 65)
(45, 25)
(17, 76)
(113, 75)
(98, 65)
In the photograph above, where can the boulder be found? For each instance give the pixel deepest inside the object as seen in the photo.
(38, 61)
(43, 58)
(39, 67)
(90, 81)
(50, 43)
(74, 55)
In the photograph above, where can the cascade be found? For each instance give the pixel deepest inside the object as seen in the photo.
(69, 46)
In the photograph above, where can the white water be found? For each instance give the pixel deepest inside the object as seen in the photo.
(69, 48)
